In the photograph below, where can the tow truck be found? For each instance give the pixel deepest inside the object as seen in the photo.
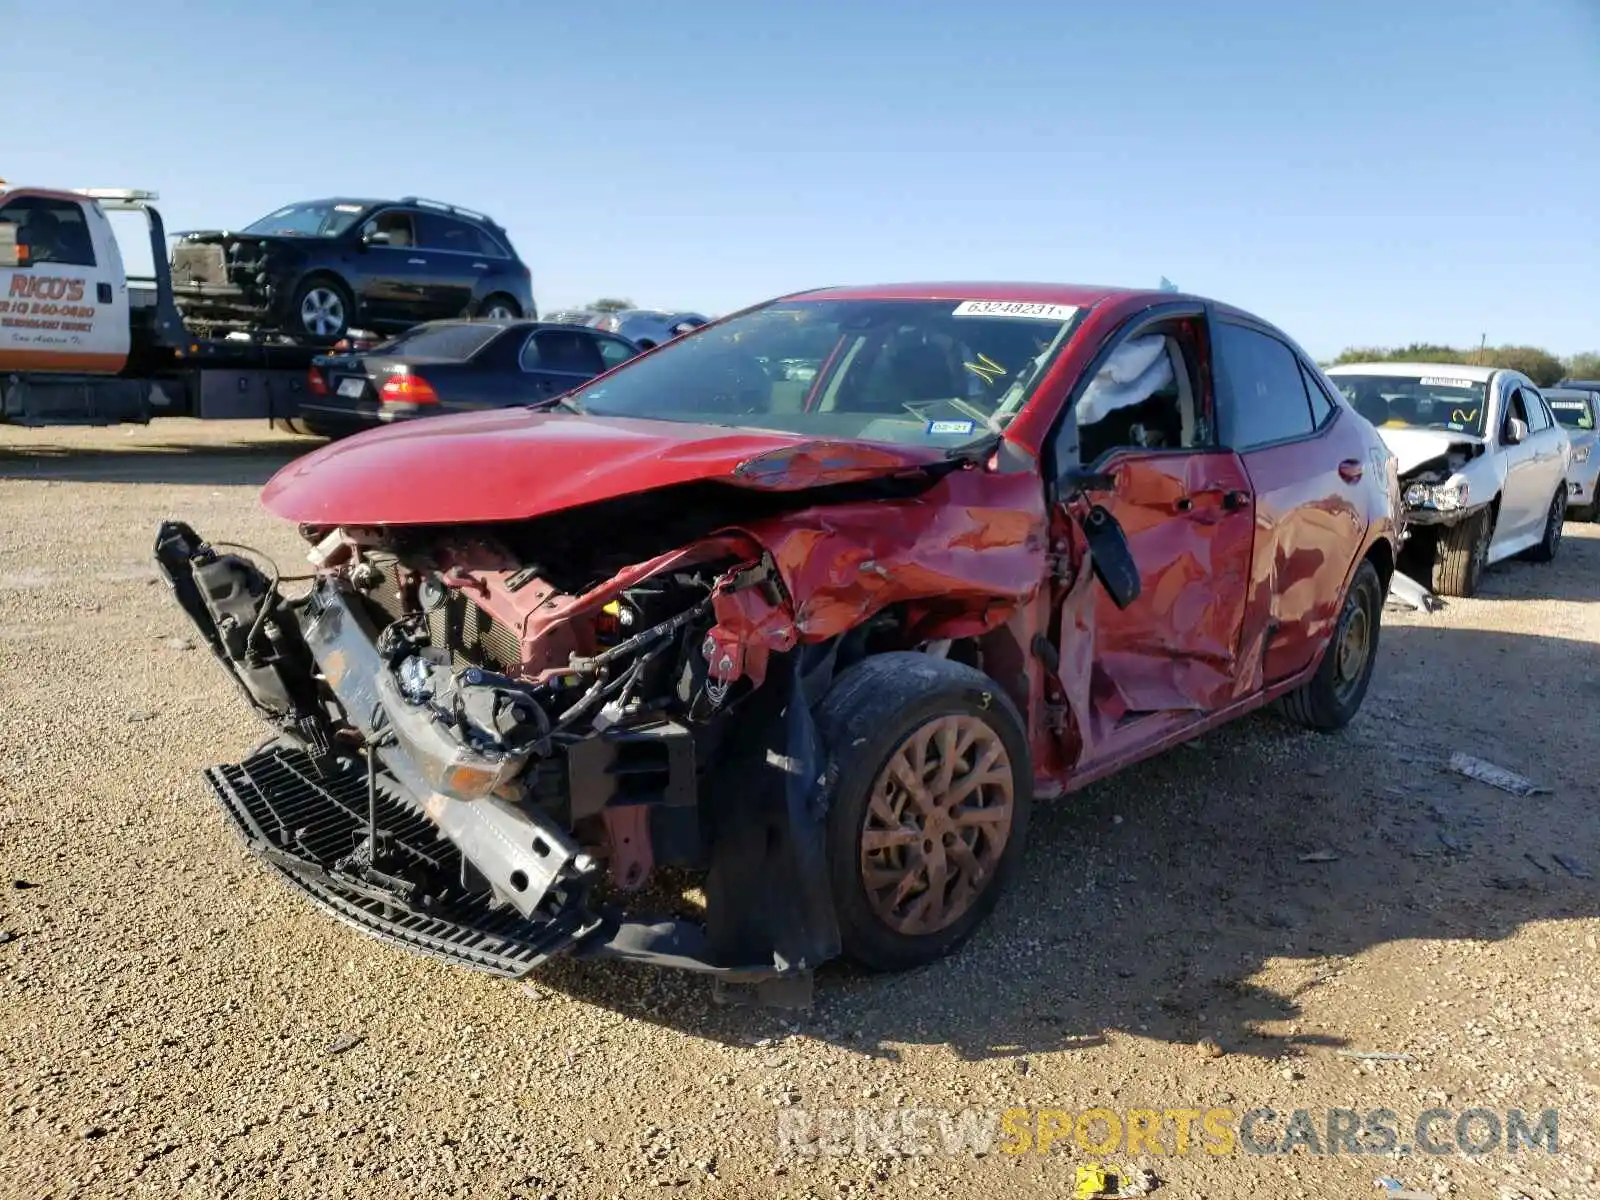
(82, 343)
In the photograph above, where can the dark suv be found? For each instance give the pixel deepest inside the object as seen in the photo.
(317, 268)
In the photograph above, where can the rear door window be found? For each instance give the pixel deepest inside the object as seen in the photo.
(614, 350)
(447, 233)
(1322, 405)
(564, 352)
(1263, 391)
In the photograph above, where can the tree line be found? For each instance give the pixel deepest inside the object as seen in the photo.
(1535, 362)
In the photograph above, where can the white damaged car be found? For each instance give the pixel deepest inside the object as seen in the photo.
(1482, 463)
(1578, 409)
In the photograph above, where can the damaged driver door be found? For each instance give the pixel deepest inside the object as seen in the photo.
(1137, 670)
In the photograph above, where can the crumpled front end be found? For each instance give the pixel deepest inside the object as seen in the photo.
(226, 281)
(504, 739)
(476, 764)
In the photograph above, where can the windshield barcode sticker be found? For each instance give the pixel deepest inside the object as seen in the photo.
(1014, 308)
(1439, 381)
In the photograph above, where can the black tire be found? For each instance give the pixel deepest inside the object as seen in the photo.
(871, 711)
(1548, 545)
(326, 295)
(500, 307)
(1461, 555)
(1333, 695)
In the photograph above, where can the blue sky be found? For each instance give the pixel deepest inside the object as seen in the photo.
(1355, 171)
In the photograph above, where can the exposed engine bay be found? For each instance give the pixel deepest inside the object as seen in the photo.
(568, 733)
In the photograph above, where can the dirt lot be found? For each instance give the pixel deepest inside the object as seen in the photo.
(169, 1013)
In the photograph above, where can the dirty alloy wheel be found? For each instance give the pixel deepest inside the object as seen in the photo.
(1334, 694)
(933, 790)
(1462, 555)
(322, 309)
(1545, 551)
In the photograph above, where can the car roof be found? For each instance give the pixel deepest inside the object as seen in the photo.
(363, 202)
(1572, 393)
(1416, 370)
(1076, 294)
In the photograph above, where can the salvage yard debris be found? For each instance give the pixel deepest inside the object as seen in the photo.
(1377, 1055)
(1095, 1182)
(1407, 591)
(1398, 1191)
(1487, 772)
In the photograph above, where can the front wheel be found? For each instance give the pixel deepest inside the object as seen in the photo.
(1333, 695)
(322, 309)
(1462, 554)
(933, 790)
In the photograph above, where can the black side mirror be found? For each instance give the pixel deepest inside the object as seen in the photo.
(1109, 553)
(1110, 556)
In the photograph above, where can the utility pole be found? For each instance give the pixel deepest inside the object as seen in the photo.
(1483, 342)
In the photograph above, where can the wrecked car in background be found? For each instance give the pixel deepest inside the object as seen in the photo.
(818, 637)
(1482, 463)
(1578, 411)
(317, 269)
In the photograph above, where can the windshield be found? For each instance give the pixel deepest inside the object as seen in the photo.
(1574, 414)
(938, 373)
(324, 219)
(1410, 402)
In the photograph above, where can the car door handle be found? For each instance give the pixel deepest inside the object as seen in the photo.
(1231, 499)
(480, 266)
(1350, 470)
(417, 262)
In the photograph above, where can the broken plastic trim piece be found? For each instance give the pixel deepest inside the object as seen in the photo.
(1408, 591)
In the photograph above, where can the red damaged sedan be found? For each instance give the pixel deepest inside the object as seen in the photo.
(813, 603)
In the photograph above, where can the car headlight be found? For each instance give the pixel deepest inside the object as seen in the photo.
(1580, 454)
(1443, 497)
(1451, 495)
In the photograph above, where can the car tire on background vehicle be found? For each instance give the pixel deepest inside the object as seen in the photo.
(1462, 554)
(500, 307)
(1333, 695)
(1546, 549)
(321, 308)
(881, 719)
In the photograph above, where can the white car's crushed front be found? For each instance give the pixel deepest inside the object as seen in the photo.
(1443, 473)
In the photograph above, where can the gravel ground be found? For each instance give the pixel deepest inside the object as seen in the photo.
(174, 1021)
